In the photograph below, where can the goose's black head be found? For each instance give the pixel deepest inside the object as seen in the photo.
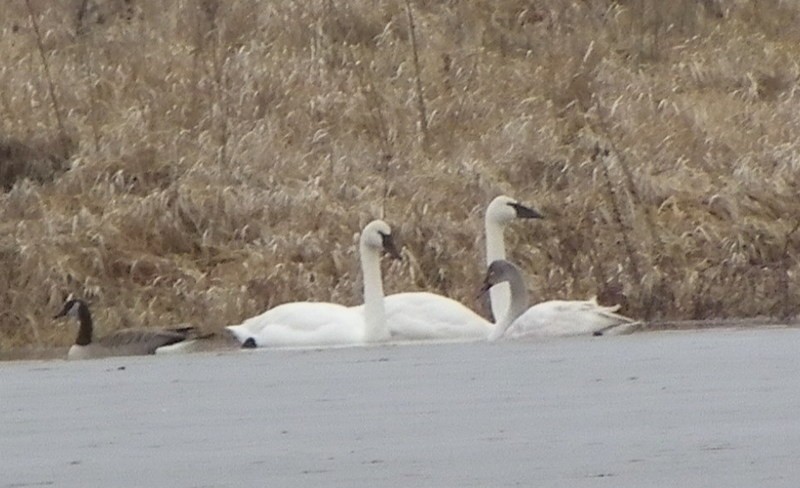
(74, 307)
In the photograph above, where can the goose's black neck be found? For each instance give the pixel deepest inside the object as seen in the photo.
(85, 331)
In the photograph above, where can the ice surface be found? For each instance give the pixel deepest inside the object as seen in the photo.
(669, 409)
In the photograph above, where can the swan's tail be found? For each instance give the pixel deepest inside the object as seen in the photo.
(621, 329)
(610, 312)
(239, 332)
(620, 324)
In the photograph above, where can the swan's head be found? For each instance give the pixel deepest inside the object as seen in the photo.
(504, 209)
(499, 271)
(74, 307)
(377, 235)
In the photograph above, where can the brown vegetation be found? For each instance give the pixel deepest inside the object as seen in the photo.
(203, 160)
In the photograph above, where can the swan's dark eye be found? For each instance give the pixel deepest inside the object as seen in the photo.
(389, 246)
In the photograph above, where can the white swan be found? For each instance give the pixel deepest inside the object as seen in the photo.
(427, 316)
(499, 213)
(319, 323)
(553, 318)
(424, 316)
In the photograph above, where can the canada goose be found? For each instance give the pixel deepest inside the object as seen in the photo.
(424, 315)
(125, 342)
(551, 318)
(321, 323)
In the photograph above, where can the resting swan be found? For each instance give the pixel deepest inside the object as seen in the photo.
(319, 323)
(423, 315)
(553, 318)
(125, 342)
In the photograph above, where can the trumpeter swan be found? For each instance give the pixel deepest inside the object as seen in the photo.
(500, 212)
(423, 315)
(320, 323)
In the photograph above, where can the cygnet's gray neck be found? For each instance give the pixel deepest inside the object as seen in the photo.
(517, 306)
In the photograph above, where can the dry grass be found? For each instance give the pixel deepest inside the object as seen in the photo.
(217, 158)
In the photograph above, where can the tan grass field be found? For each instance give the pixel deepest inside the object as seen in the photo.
(203, 160)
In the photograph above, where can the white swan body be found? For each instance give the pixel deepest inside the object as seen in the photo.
(299, 316)
(339, 330)
(321, 324)
(428, 316)
(565, 318)
(500, 212)
(552, 318)
(425, 316)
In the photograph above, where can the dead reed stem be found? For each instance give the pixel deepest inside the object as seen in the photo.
(50, 86)
(218, 59)
(614, 199)
(85, 54)
(385, 159)
(423, 113)
(630, 184)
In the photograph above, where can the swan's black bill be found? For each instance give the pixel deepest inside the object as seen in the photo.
(389, 246)
(249, 343)
(484, 288)
(524, 212)
(494, 275)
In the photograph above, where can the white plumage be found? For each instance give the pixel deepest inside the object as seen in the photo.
(551, 318)
(424, 316)
(320, 323)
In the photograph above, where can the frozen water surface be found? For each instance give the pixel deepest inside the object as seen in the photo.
(685, 409)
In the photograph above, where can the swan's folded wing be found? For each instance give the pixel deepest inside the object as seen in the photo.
(333, 333)
(564, 318)
(299, 315)
(579, 306)
(422, 316)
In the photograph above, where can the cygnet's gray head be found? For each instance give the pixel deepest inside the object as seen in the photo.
(499, 271)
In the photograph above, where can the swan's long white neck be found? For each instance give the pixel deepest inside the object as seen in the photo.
(500, 294)
(374, 315)
(517, 305)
